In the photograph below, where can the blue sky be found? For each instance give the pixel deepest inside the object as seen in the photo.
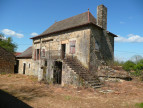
(21, 19)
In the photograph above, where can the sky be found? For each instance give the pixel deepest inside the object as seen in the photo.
(23, 19)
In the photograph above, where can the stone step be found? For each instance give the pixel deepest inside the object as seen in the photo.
(83, 73)
(95, 84)
(96, 81)
(95, 87)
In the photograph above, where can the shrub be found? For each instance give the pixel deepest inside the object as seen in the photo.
(139, 105)
(138, 67)
(128, 66)
(136, 73)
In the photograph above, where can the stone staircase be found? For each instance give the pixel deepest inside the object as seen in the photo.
(83, 73)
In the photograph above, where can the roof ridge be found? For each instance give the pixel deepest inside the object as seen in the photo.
(90, 15)
(71, 17)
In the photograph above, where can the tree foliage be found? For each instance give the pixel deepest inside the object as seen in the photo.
(128, 66)
(7, 43)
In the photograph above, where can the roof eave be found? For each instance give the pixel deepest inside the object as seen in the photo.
(65, 30)
(112, 34)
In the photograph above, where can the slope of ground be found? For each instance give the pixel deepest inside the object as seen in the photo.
(39, 95)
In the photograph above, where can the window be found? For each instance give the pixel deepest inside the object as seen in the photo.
(72, 47)
(29, 65)
(43, 53)
(45, 62)
(37, 54)
(96, 45)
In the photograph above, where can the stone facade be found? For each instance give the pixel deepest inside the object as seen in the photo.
(53, 49)
(101, 47)
(7, 61)
(27, 64)
(89, 43)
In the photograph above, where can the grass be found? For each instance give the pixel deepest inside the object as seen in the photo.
(67, 97)
(139, 105)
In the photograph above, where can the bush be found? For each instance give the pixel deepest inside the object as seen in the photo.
(139, 105)
(136, 73)
(138, 67)
(128, 66)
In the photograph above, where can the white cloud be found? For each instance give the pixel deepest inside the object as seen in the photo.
(12, 33)
(34, 34)
(129, 38)
(3, 38)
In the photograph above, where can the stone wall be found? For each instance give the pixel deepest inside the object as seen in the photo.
(81, 36)
(52, 45)
(101, 47)
(69, 77)
(93, 45)
(28, 68)
(7, 61)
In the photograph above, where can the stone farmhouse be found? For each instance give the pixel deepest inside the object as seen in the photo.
(7, 61)
(71, 50)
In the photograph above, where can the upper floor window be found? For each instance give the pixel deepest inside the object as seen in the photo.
(43, 53)
(37, 54)
(72, 47)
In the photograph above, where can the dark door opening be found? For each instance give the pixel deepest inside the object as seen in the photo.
(24, 67)
(16, 66)
(63, 50)
(57, 75)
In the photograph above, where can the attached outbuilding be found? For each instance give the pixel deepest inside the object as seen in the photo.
(24, 62)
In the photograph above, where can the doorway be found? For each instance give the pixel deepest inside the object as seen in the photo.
(57, 74)
(24, 67)
(63, 50)
(16, 67)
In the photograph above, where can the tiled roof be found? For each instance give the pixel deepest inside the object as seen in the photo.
(17, 53)
(26, 54)
(75, 21)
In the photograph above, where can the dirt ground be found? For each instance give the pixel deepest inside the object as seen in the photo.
(39, 95)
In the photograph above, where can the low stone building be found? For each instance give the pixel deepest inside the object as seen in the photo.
(24, 62)
(72, 49)
(7, 61)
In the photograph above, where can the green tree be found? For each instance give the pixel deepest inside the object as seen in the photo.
(139, 65)
(7, 43)
(128, 65)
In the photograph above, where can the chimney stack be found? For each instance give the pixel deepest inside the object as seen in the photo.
(102, 16)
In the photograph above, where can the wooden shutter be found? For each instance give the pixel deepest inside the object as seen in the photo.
(39, 53)
(72, 47)
(35, 54)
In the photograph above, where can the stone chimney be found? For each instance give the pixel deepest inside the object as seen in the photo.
(102, 16)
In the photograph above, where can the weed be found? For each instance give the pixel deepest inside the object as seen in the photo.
(139, 105)
(9, 75)
(67, 97)
(3, 73)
